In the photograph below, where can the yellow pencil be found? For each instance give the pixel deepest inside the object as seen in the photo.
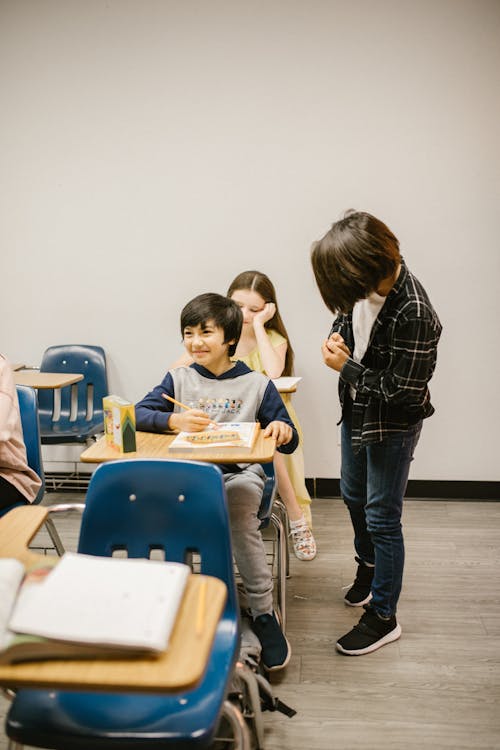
(200, 614)
(174, 401)
(212, 425)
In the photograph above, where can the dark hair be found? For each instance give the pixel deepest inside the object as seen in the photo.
(352, 259)
(255, 281)
(223, 311)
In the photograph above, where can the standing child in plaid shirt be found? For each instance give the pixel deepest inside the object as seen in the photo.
(383, 344)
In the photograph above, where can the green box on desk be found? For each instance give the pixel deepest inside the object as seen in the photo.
(119, 424)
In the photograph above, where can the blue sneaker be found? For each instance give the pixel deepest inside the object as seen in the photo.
(276, 650)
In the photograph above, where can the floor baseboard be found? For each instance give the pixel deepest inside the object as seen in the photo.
(419, 488)
(322, 487)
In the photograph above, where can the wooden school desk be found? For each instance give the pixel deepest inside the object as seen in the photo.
(287, 384)
(37, 379)
(46, 381)
(155, 445)
(179, 668)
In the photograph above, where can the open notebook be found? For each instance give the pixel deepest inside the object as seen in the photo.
(88, 606)
(241, 435)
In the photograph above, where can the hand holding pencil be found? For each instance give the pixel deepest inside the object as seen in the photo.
(191, 420)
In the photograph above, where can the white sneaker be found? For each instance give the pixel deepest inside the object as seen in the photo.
(304, 545)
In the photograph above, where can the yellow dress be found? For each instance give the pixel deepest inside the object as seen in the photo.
(294, 461)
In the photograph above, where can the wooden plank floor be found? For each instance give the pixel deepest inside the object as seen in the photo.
(438, 686)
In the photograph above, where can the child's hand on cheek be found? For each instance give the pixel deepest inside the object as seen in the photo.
(192, 420)
(265, 314)
(280, 431)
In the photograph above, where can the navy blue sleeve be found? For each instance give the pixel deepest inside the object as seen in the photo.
(273, 409)
(153, 411)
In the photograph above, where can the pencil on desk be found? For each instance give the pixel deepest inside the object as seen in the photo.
(174, 401)
(200, 614)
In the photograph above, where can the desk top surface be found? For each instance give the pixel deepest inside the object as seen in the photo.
(37, 379)
(287, 384)
(178, 668)
(155, 445)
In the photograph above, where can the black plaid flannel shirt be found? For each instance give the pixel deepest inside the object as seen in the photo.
(391, 380)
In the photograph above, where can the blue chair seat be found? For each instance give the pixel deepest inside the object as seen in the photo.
(55, 433)
(128, 721)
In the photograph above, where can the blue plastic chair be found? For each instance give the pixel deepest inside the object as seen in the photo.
(80, 420)
(28, 409)
(143, 505)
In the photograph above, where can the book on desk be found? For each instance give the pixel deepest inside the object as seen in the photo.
(88, 607)
(241, 435)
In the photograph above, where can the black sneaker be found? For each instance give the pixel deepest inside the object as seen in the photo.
(369, 634)
(360, 591)
(276, 650)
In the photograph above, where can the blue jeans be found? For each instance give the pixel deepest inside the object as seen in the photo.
(372, 484)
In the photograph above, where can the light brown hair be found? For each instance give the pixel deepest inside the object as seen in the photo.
(255, 281)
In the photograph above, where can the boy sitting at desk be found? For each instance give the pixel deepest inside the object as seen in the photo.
(219, 390)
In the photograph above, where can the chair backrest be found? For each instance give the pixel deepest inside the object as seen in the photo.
(28, 408)
(90, 361)
(179, 507)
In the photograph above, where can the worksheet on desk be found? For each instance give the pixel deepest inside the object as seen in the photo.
(285, 383)
(103, 600)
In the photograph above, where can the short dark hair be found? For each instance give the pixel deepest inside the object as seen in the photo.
(352, 259)
(223, 311)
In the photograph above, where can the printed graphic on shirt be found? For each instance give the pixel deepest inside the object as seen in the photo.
(217, 407)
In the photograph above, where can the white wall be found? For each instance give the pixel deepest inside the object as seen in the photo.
(151, 150)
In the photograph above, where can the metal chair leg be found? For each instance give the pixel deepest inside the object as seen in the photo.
(51, 528)
(279, 506)
(238, 726)
(54, 536)
(281, 567)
